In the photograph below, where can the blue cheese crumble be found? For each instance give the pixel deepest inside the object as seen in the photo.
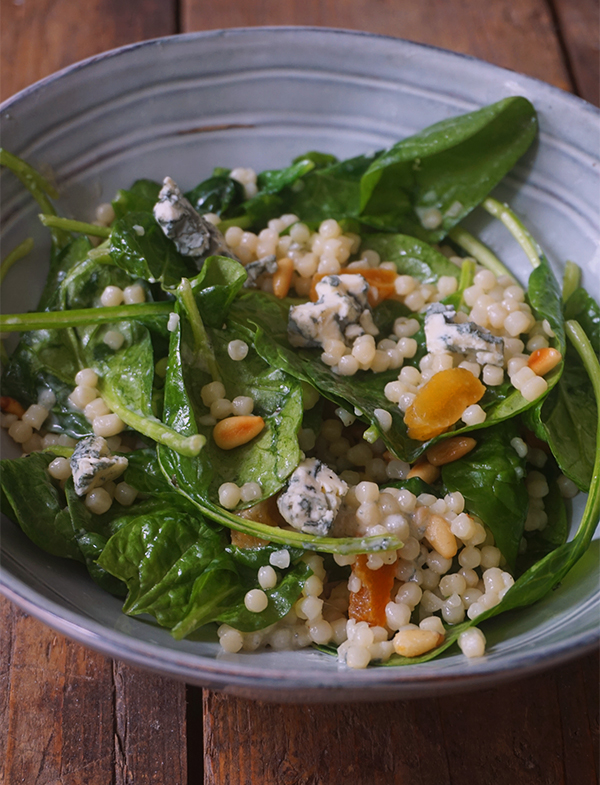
(93, 464)
(192, 234)
(254, 270)
(443, 335)
(312, 498)
(339, 313)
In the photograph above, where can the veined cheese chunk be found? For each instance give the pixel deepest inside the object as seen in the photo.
(443, 335)
(93, 464)
(312, 498)
(254, 270)
(342, 300)
(192, 234)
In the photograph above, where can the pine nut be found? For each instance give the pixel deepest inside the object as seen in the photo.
(425, 471)
(413, 643)
(542, 361)
(282, 279)
(440, 537)
(450, 450)
(235, 431)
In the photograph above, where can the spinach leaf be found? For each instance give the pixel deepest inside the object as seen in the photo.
(216, 287)
(412, 256)
(142, 196)
(150, 254)
(450, 166)
(61, 264)
(218, 195)
(490, 478)
(39, 505)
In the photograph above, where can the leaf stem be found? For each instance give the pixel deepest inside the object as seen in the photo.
(571, 280)
(516, 227)
(478, 251)
(153, 428)
(57, 320)
(202, 344)
(55, 222)
(17, 253)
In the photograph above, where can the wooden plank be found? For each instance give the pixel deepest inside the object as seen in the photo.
(72, 716)
(38, 38)
(519, 35)
(517, 734)
(579, 24)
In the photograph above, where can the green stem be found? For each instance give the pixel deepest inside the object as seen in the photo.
(478, 251)
(244, 221)
(57, 320)
(17, 253)
(54, 222)
(584, 348)
(152, 428)
(202, 343)
(516, 227)
(571, 280)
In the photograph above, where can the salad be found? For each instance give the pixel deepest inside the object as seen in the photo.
(308, 406)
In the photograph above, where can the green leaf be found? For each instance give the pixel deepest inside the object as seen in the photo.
(142, 196)
(216, 195)
(412, 256)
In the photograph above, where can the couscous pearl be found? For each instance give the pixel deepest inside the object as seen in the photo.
(313, 586)
(485, 279)
(367, 492)
(384, 418)
(96, 408)
(492, 375)
(472, 642)
(111, 296)
(125, 494)
(250, 491)
(408, 348)
(320, 632)
(267, 577)
(347, 366)
(134, 294)
(237, 350)
(108, 425)
(463, 526)
(98, 501)
(490, 556)
(310, 607)
(517, 322)
(256, 600)
(242, 404)
(409, 594)
(280, 559)
(114, 340)
(231, 641)
(534, 388)
(60, 469)
(49, 440)
(229, 495)
(434, 624)
(82, 395)
(35, 416)
(105, 213)
(221, 408)
(453, 584)
(567, 487)
(473, 415)
(397, 615)
(469, 557)
(212, 392)
(517, 364)
(87, 377)
(233, 236)
(415, 301)
(357, 657)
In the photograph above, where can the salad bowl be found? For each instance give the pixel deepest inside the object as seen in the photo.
(258, 98)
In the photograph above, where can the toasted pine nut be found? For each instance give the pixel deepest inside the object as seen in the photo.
(283, 277)
(235, 431)
(450, 450)
(413, 643)
(439, 535)
(542, 361)
(425, 470)
(11, 406)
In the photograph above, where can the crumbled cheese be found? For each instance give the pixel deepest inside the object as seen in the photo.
(173, 322)
(92, 464)
(254, 270)
(192, 234)
(337, 314)
(312, 497)
(443, 334)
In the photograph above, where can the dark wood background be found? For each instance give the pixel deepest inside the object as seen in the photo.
(69, 716)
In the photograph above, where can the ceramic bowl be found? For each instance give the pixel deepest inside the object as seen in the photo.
(259, 97)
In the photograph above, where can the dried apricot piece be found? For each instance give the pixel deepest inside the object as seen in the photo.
(264, 512)
(368, 603)
(441, 402)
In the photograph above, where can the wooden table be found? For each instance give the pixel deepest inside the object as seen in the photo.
(70, 716)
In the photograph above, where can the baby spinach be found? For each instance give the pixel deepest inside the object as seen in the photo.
(412, 256)
(217, 195)
(142, 196)
(490, 478)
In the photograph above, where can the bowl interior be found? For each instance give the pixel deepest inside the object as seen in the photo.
(258, 98)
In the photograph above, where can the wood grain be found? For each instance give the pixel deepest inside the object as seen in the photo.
(579, 25)
(41, 36)
(518, 35)
(69, 716)
(538, 731)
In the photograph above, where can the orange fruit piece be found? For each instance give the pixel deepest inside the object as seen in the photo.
(381, 283)
(368, 603)
(265, 512)
(441, 402)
